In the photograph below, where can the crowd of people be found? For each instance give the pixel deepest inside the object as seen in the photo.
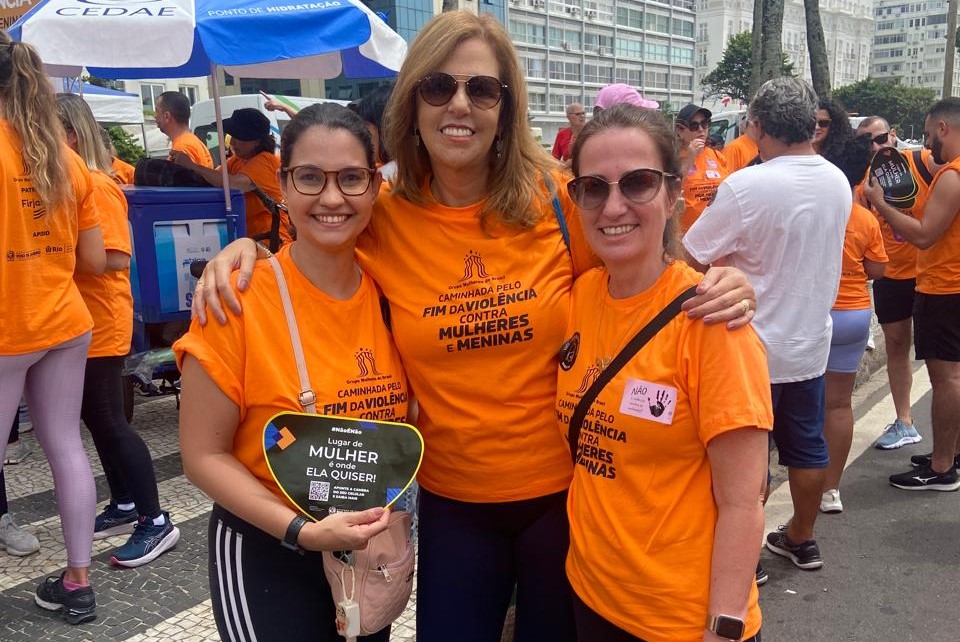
(595, 414)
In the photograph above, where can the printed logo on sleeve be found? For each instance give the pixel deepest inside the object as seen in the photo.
(648, 400)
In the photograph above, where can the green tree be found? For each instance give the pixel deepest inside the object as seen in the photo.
(126, 145)
(904, 107)
(731, 76)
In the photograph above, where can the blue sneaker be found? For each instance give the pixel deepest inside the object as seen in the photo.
(113, 521)
(147, 543)
(898, 434)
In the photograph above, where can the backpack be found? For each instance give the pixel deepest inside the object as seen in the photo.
(159, 172)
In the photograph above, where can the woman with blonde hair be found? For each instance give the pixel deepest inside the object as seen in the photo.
(134, 506)
(469, 247)
(48, 230)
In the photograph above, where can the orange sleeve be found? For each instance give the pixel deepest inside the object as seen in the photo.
(87, 217)
(874, 249)
(111, 205)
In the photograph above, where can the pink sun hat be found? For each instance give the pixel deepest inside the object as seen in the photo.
(620, 93)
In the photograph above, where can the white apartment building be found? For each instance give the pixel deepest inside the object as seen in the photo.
(910, 43)
(569, 49)
(847, 27)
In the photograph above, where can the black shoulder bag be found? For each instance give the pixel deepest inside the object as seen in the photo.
(273, 236)
(639, 340)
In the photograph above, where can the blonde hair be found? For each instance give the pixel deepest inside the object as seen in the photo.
(26, 102)
(76, 116)
(518, 164)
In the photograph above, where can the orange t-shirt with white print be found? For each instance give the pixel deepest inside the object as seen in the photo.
(41, 305)
(740, 153)
(641, 505)
(262, 170)
(193, 147)
(108, 295)
(861, 241)
(478, 318)
(351, 360)
(122, 171)
(700, 184)
(938, 266)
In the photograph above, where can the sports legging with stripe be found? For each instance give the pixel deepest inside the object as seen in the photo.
(52, 382)
(263, 591)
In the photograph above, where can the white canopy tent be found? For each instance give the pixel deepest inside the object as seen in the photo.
(109, 106)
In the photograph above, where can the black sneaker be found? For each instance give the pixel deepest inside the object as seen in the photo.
(78, 606)
(805, 555)
(925, 478)
(762, 575)
(924, 460)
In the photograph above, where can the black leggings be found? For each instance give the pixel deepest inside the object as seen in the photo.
(261, 590)
(126, 460)
(592, 627)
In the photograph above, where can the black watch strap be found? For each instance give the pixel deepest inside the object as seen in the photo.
(293, 531)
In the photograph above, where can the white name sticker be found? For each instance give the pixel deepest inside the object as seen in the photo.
(648, 400)
(712, 173)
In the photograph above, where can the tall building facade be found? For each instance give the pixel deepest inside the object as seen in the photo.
(569, 49)
(848, 28)
(910, 44)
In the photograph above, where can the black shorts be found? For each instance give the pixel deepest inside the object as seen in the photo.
(893, 299)
(936, 326)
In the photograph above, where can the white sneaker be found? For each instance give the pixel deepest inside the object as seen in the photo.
(830, 502)
(16, 452)
(16, 540)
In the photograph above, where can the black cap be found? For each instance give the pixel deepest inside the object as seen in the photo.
(247, 124)
(686, 114)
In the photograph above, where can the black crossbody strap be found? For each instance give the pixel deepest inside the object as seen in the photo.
(922, 167)
(639, 340)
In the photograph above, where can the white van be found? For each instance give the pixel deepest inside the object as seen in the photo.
(727, 124)
(204, 122)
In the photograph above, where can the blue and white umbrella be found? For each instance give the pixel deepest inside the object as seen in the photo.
(182, 38)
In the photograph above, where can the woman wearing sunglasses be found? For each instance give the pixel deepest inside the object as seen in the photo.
(468, 248)
(703, 168)
(832, 131)
(671, 459)
(238, 375)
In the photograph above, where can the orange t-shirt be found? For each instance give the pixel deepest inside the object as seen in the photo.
(700, 185)
(938, 267)
(41, 305)
(740, 152)
(192, 147)
(351, 360)
(478, 318)
(108, 295)
(861, 241)
(641, 506)
(262, 170)
(122, 171)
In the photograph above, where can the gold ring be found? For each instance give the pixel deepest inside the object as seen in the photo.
(745, 304)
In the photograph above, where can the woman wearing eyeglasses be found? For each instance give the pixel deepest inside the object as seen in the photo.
(468, 248)
(703, 168)
(238, 375)
(665, 506)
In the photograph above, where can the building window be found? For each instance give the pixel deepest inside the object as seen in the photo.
(538, 101)
(149, 94)
(190, 91)
(227, 80)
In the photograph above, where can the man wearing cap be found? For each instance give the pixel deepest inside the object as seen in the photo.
(253, 164)
(743, 150)
(936, 308)
(172, 115)
(563, 144)
(783, 223)
(703, 168)
(893, 295)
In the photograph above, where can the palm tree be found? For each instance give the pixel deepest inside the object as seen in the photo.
(771, 47)
(817, 46)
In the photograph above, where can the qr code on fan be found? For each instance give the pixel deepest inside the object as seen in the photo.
(319, 491)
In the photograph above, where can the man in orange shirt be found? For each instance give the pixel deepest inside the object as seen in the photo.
(742, 151)
(172, 113)
(936, 310)
(893, 295)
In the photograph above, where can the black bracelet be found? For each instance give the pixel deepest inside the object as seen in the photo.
(293, 531)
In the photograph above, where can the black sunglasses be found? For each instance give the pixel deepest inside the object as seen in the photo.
(438, 88)
(638, 186)
(310, 180)
(824, 123)
(881, 139)
(697, 125)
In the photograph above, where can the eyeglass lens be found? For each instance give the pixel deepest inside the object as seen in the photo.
(824, 123)
(881, 139)
(351, 181)
(439, 88)
(639, 186)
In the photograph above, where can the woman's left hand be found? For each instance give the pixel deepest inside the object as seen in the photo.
(724, 295)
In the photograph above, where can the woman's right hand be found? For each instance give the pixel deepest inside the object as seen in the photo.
(344, 531)
(214, 284)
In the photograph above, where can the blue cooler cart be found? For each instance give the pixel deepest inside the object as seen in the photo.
(171, 228)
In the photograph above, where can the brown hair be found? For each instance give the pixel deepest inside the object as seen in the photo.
(26, 102)
(76, 117)
(518, 172)
(651, 122)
